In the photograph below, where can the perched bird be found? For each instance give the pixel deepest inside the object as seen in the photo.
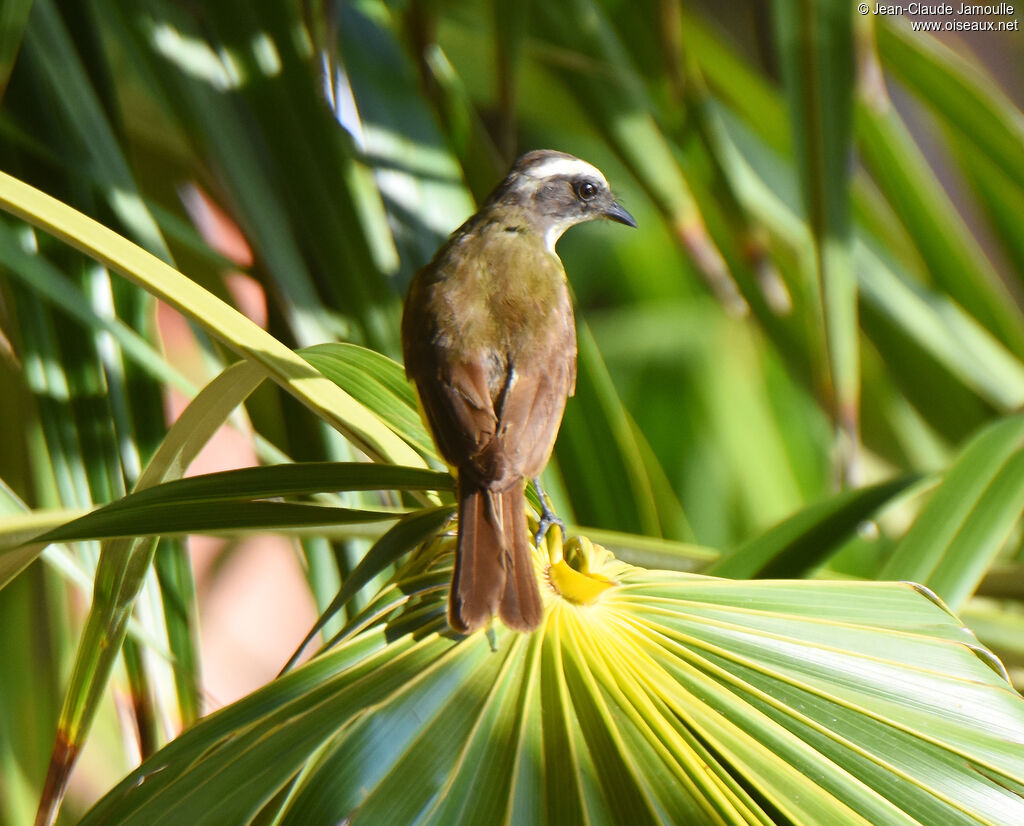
(489, 340)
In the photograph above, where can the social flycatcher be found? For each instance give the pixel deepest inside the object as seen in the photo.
(489, 340)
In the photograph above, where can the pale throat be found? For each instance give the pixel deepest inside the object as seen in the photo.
(554, 232)
(563, 167)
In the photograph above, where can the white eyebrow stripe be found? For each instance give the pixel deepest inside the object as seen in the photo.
(565, 166)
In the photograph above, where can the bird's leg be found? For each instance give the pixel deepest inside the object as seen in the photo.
(547, 516)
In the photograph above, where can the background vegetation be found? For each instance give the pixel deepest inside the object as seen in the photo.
(808, 362)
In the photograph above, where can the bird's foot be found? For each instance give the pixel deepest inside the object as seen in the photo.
(547, 516)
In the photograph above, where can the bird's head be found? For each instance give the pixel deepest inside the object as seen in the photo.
(554, 191)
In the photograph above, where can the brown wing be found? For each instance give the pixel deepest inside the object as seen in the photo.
(500, 416)
(493, 357)
(460, 411)
(534, 401)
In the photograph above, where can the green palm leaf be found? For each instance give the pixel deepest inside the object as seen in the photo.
(668, 698)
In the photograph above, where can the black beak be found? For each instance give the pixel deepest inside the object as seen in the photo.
(617, 213)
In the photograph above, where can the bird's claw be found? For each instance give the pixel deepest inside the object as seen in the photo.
(547, 516)
(547, 519)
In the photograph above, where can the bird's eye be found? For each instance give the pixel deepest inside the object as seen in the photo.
(586, 190)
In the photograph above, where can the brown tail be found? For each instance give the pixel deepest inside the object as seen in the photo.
(493, 563)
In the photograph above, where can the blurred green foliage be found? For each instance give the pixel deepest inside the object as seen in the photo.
(816, 298)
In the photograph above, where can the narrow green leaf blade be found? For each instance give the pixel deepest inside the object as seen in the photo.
(120, 575)
(815, 43)
(805, 540)
(959, 91)
(13, 18)
(969, 516)
(280, 363)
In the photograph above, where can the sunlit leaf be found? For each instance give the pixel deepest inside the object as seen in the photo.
(730, 689)
(280, 363)
(968, 517)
